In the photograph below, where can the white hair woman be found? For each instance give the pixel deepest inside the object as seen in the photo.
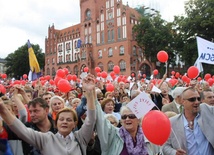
(57, 103)
(128, 139)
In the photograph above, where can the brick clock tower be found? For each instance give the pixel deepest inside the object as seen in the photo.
(102, 38)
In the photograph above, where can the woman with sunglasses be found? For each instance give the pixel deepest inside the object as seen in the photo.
(126, 140)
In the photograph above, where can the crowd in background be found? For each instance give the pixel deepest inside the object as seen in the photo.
(100, 121)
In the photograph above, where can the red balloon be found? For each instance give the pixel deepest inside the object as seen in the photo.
(64, 85)
(2, 89)
(97, 69)
(51, 82)
(4, 76)
(74, 77)
(110, 87)
(207, 76)
(24, 76)
(199, 78)
(177, 74)
(173, 72)
(155, 72)
(116, 69)
(173, 82)
(56, 80)
(104, 74)
(112, 74)
(69, 77)
(210, 81)
(162, 56)
(156, 127)
(188, 80)
(85, 69)
(192, 72)
(23, 82)
(60, 73)
(47, 77)
(66, 71)
(98, 74)
(184, 78)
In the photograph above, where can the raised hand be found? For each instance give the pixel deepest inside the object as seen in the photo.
(88, 83)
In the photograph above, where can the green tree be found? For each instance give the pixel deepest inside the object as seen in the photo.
(155, 34)
(199, 21)
(17, 63)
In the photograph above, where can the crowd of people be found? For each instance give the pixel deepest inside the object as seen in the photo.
(91, 120)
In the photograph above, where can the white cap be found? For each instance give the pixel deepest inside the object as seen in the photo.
(178, 91)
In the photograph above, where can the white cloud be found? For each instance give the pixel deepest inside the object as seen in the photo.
(29, 19)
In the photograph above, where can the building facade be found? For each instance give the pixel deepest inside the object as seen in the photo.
(103, 38)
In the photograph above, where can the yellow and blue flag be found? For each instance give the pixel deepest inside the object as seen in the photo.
(35, 72)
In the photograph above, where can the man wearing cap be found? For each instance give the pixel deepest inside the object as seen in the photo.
(176, 104)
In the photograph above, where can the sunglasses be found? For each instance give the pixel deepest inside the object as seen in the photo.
(193, 99)
(99, 99)
(130, 116)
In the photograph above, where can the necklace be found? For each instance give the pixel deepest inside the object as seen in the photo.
(191, 125)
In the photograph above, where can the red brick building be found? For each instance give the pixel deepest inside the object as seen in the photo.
(103, 38)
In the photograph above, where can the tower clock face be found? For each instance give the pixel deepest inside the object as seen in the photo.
(88, 13)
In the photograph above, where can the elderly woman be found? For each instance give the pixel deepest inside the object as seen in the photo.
(57, 103)
(108, 105)
(127, 140)
(65, 141)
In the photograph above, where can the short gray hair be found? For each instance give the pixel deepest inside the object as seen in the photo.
(178, 91)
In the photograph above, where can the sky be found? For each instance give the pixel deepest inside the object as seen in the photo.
(21, 20)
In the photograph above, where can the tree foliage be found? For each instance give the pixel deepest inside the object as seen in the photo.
(155, 34)
(17, 63)
(199, 21)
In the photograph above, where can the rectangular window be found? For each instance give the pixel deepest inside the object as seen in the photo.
(119, 33)
(109, 35)
(98, 27)
(124, 32)
(98, 38)
(102, 26)
(112, 35)
(119, 21)
(102, 37)
(89, 30)
(118, 12)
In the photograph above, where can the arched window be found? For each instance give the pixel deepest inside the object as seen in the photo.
(122, 65)
(101, 66)
(53, 71)
(48, 71)
(76, 70)
(69, 69)
(134, 50)
(100, 54)
(122, 50)
(110, 52)
(110, 66)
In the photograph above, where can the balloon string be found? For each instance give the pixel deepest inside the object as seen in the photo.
(176, 138)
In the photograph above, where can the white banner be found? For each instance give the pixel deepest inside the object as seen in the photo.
(141, 104)
(205, 51)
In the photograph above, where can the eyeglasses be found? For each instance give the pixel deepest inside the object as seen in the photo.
(131, 116)
(99, 99)
(193, 99)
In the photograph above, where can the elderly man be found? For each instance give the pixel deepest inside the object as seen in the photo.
(193, 129)
(207, 96)
(176, 104)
